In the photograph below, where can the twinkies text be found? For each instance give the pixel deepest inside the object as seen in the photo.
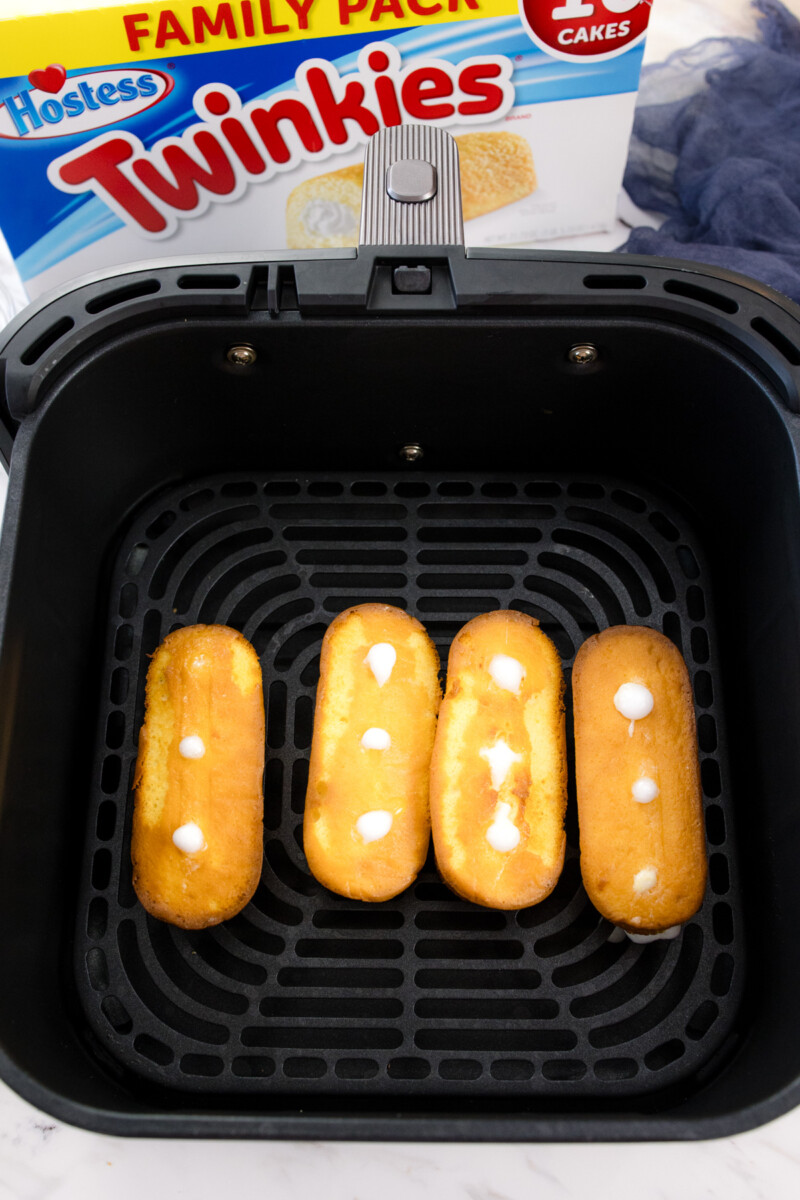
(234, 145)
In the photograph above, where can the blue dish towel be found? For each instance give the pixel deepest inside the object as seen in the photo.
(716, 146)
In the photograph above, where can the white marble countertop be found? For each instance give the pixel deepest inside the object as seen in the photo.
(41, 1157)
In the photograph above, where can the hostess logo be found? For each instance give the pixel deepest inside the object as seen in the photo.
(55, 105)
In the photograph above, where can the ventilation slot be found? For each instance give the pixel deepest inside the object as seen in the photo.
(304, 1068)
(209, 282)
(254, 1066)
(116, 1014)
(45, 341)
(615, 282)
(202, 1064)
(777, 339)
(512, 1069)
(693, 291)
(131, 291)
(154, 1050)
(459, 1068)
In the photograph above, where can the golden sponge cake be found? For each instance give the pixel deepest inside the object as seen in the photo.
(643, 853)
(496, 169)
(367, 824)
(498, 775)
(197, 819)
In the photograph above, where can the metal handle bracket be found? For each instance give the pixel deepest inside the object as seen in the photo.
(412, 189)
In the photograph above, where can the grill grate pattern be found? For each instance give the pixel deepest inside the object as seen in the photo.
(308, 993)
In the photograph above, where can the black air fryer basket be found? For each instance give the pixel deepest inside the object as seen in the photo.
(265, 441)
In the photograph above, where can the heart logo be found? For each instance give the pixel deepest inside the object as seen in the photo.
(51, 79)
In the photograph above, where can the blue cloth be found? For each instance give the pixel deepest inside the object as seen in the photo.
(716, 147)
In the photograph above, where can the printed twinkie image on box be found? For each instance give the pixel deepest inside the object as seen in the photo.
(152, 130)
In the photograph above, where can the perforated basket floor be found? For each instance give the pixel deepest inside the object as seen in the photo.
(305, 992)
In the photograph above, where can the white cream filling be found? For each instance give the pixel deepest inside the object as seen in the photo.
(634, 701)
(327, 218)
(500, 758)
(503, 834)
(376, 739)
(189, 838)
(372, 826)
(645, 789)
(666, 935)
(507, 672)
(192, 747)
(645, 880)
(380, 660)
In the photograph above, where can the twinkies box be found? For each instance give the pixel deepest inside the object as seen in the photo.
(138, 131)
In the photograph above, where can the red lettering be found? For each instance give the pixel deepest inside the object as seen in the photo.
(385, 92)
(247, 19)
(217, 103)
(386, 6)
(350, 6)
(266, 124)
(239, 140)
(101, 165)
(301, 9)
(422, 10)
(387, 101)
(169, 28)
(216, 177)
(335, 112)
(472, 81)
(421, 87)
(266, 19)
(241, 144)
(135, 35)
(202, 22)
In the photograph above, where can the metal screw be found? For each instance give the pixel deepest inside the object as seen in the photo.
(583, 354)
(412, 452)
(241, 356)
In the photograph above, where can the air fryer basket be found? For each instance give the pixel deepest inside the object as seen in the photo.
(160, 476)
(309, 994)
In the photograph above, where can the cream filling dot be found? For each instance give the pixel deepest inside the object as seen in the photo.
(380, 660)
(645, 790)
(192, 747)
(503, 834)
(189, 838)
(376, 739)
(634, 701)
(645, 880)
(507, 672)
(374, 825)
(500, 758)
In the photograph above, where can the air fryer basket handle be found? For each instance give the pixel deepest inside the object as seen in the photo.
(412, 189)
